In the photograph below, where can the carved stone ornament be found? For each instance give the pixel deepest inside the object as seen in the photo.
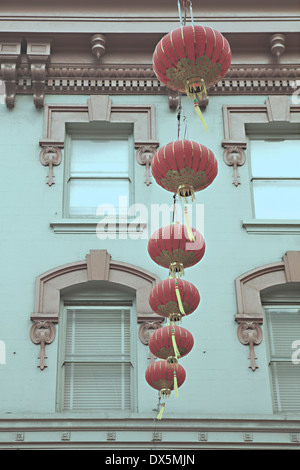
(38, 54)
(234, 156)
(42, 332)
(50, 156)
(98, 44)
(250, 334)
(144, 156)
(146, 329)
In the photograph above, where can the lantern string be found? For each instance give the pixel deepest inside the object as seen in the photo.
(179, 12)
(174, 207)
(191, 12)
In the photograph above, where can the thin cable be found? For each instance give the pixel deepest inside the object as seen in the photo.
(191, 12)
(179, 12)
(174, 207)
(179, 111)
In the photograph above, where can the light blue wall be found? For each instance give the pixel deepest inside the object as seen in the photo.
(219, 381)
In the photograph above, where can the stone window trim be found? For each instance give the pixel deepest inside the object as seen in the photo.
(98, 266)
(277, 110)
(248, 289)
(98, 108)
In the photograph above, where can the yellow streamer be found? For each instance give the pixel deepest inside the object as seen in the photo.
(188, 225)
(175, 385)
(179, 299)
(159, 416)
(176, 350)
(198, 111)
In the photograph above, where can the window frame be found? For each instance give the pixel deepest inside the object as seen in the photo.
(272, 359)
(104, 132)
(92, 304)
(268, 136)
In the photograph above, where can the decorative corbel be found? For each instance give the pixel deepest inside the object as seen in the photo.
(9, 58)
(38, 53)
(250, 334)
(42, 332)
(145, 331)
(50, 156)
(234, 156)
(144, 156)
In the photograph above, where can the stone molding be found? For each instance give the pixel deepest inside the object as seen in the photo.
(98, 266)
(50, 78)
(248, 288)
(98, 108)
(92, 432)
(236, 118)
(10, 56)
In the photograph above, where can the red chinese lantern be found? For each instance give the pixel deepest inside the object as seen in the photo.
(165, 377)
(171, 247)
(192, 59)
(170, 343)
(184, 167)
(174, 298)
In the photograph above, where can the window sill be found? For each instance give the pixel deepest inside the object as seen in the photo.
(272, 226)
(92, 226)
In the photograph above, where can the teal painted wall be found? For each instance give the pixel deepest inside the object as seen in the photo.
(219, 381)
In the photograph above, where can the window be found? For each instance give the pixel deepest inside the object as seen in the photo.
(283, 329)
(275, 166)
(96, 359)
(99, 171)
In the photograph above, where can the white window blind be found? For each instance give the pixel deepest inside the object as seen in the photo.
(97, 365)
(275, 166)
(283, 328)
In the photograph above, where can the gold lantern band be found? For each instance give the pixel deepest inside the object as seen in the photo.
(185, 191)
(164, 393)
(195, 86)
(176, 268)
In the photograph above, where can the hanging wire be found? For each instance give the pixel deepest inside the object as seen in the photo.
(178, 115)
(174, 207)
(185, 8)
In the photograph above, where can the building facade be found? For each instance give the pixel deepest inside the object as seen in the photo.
(82, 114)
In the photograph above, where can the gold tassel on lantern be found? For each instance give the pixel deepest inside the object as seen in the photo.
(199, 114)
(179, 299)
(175, 384)
(159, 416)
(188, 226)
(176, 351)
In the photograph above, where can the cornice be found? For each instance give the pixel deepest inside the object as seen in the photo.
(140, 79)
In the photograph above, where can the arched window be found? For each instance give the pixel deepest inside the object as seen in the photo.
(270, 294)
(97, 347)
(97, 303)
(281, 307)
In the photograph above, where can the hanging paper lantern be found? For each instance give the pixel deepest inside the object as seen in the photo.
(192, 59)
(171, 343)
(170, 247)
(184, 167)
(165, 377)
(174, 298)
